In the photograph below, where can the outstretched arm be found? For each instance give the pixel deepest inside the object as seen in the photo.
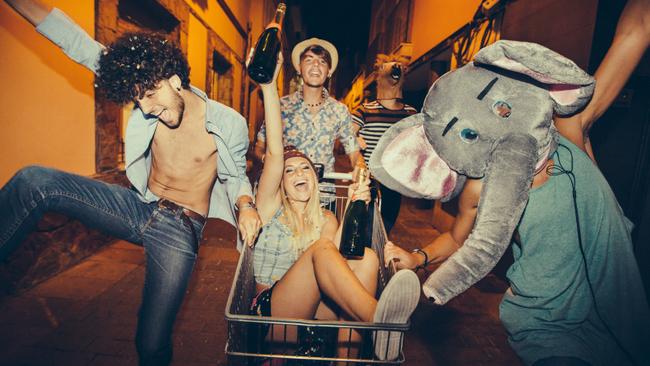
(32, 10)
(268, 190)
(630, 41)
(447, 243)
(61, 30)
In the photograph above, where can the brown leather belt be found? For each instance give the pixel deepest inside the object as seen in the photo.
(164, 203)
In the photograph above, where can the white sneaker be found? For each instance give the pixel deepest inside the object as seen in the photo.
(396, 304)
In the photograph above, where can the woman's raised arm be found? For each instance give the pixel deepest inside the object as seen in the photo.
(268, 190)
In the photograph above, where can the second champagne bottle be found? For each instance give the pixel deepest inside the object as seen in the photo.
(354, 233)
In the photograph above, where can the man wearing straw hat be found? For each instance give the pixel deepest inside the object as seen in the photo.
(312, 119)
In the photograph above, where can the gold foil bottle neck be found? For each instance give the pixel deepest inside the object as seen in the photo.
(361, 173)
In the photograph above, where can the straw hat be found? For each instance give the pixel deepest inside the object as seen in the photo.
(300, 47)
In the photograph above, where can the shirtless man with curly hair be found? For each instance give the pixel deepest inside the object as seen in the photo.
(185, 158)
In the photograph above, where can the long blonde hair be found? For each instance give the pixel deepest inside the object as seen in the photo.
(307, 231)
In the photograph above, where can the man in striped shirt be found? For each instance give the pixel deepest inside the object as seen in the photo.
(372, 119)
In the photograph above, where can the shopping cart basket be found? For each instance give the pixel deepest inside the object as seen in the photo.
(246, 344)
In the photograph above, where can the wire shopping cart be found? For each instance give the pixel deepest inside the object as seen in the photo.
(247, 344)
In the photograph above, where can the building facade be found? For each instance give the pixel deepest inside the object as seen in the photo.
(52, 115)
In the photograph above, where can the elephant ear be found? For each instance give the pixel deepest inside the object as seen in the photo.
(404, 161)
(503, 199)
(569, 86)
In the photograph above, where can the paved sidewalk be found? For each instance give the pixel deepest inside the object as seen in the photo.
(87, 315)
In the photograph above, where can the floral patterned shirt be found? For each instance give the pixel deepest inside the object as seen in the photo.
(314, 134)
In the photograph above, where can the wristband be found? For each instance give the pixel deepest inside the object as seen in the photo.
(426, 258)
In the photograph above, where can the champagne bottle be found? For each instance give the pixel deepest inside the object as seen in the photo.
(265, 57)
(354, 237)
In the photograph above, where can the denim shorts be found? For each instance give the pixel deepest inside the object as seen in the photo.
(261, 306)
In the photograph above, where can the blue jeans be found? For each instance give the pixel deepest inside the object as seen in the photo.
(170, 240)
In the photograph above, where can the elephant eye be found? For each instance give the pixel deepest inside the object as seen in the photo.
(501, 109)
(468, 135)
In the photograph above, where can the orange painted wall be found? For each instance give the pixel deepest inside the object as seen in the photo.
(236, 87)
(241, 9)
(47, 100)
(217, 19)
(256, 17)
(435, 20)
(197, 52)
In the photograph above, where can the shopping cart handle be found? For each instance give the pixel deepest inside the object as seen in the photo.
(334, 175)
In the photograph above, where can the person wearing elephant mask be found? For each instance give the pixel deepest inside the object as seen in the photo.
(575, 293)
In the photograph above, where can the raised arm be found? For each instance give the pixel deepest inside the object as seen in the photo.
(61, 30)
(630, 42)
(268, 190)
(32, 10)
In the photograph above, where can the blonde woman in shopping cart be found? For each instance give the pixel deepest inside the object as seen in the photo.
(297, 264)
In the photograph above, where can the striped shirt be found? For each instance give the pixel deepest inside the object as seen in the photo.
(374, 119)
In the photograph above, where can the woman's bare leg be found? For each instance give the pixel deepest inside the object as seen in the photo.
(366, 270)
(349, 340)
(321, 268)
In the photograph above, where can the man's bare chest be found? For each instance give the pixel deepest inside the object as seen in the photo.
(184, 147)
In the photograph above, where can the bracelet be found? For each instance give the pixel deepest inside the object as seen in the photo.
(426, 258)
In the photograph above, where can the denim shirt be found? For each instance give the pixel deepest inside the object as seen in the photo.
(273, 254)
(226, 125)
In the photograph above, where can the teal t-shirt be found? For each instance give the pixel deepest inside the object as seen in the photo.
(548, 310)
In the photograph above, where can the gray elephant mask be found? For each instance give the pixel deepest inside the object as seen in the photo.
(491, 119)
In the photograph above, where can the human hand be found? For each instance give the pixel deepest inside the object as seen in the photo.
(249, 225)
(400, 257)
(34, 11)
